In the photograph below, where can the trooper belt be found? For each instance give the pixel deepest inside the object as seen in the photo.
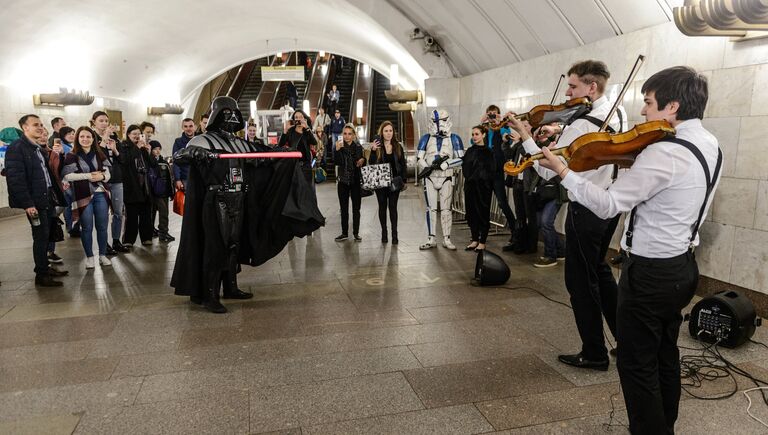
(229, 188)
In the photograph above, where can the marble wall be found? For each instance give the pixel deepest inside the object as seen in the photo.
(14, 105)
(735, 236)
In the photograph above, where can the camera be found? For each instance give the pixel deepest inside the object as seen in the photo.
(416, 33)
(491, 116)
(296, 122)
(429, 41)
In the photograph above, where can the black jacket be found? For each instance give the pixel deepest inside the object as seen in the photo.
(27, 186)
(115, 171)
(135, 181)
(346, 159)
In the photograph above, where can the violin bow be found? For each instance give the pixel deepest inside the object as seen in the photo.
(557, 89)
(632, 74)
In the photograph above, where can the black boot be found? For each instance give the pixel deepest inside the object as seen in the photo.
(212, 303)
(232, 292)
(394, 236)
(119, 247)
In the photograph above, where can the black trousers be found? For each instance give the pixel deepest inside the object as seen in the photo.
(138, 221)
(387, 200)
(40, 235)
(526, 224)
(160, 208)
(588, 277)
(477, 203)
(652, 292)
(347, 191)
(500, 189)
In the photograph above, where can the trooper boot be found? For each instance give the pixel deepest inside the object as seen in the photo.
(431, 243)
(231, 291)
(211, 302)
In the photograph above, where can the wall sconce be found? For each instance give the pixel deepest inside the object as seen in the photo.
(305, 107)
(321, 54)
(359, 108)
(252, 106)
(366, 70)
(63, 98)
(403, 107)
(168, 109)
(721, 17)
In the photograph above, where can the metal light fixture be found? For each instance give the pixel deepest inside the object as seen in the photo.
(359, 108)
(63, 98)
(732, 18)
(252, 106)
(168, 109)
(305, 107)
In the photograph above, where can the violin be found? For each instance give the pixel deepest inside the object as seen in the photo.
(549, 113)
(592, 150)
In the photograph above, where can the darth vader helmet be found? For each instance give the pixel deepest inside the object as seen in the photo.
(225, 115)
(490, 269)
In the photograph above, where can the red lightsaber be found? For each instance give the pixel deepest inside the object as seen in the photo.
(264, 155)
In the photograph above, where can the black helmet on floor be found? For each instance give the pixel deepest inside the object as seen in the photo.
(490, 269)
(225, 115)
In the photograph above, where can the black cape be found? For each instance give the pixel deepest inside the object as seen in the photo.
(279, 206)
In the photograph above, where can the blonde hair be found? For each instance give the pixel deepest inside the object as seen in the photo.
(351, 126)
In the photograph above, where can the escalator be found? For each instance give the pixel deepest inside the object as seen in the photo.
(380, 108)
(344, 79)
(252, 87)
(301, 85)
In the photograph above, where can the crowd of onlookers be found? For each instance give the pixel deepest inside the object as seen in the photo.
(121, 187)
(73, 181)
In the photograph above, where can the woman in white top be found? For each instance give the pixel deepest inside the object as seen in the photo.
(86, 169)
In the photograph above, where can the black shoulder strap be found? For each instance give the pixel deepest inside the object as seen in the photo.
(711, 180)
(598, 122)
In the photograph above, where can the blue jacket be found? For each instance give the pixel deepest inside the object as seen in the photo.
(27, 186)
(337, 125)
(180, 171)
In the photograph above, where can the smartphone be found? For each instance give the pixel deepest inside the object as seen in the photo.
(142, 137)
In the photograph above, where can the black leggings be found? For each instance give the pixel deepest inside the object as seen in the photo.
(477, 202)
(346, 192)
(387, 198)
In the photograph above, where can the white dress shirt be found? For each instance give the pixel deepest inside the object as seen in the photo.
(666, 183)
(600, 176)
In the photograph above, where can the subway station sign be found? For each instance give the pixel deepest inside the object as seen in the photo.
(282, 73)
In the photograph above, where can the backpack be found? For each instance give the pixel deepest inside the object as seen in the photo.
(157, 184)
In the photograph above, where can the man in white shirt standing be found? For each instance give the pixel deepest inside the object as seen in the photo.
(588, 277)
(668, 190)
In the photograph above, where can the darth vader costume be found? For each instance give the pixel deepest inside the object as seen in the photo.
(236, 211)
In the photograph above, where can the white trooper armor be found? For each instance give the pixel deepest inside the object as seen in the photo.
(439, 144)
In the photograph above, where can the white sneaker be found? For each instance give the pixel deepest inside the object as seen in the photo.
(104, 261)
(448, 245)
(429, 245)
(90, 262)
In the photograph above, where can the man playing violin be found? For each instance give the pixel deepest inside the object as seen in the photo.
(668, 190)
(588, 277)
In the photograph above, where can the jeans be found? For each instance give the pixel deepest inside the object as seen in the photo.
(346, 191)
(116, 191)
(97, 211)
(68, 209)
(553, 246)
(500, 190)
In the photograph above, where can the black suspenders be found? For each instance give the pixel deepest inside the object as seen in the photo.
(710, 186)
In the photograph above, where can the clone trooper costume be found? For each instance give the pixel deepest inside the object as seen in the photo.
(439, 147)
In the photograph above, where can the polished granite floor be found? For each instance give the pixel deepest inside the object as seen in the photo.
(340, 338)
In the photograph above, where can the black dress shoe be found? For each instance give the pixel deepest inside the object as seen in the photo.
(583, 363)
(394, 240)
(119, 247)
(197, 300)
(111, 251)
(384, 238)
(236, 294)
(53, 272)
(47, 281)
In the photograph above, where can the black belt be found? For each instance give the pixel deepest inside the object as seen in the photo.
(226, 188)
(639, 259)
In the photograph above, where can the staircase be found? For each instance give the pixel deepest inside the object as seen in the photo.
(380, 108)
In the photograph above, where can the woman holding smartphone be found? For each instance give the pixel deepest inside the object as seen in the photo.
(349, 159)
(387, 150)
(138, 201)
(87, 170)
(107, 139)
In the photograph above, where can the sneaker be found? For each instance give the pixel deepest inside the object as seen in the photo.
(545, 262)
(167, 238)
(53, 258)
(341, 238)
(448, 245)
(358, 238)
(104, 261)
(90, 262)
(431, 243)
(560, 257)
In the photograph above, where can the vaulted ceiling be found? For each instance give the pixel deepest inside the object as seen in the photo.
(163, 51)
(478, 35)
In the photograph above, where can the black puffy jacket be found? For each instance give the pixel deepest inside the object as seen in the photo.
(27, 186)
